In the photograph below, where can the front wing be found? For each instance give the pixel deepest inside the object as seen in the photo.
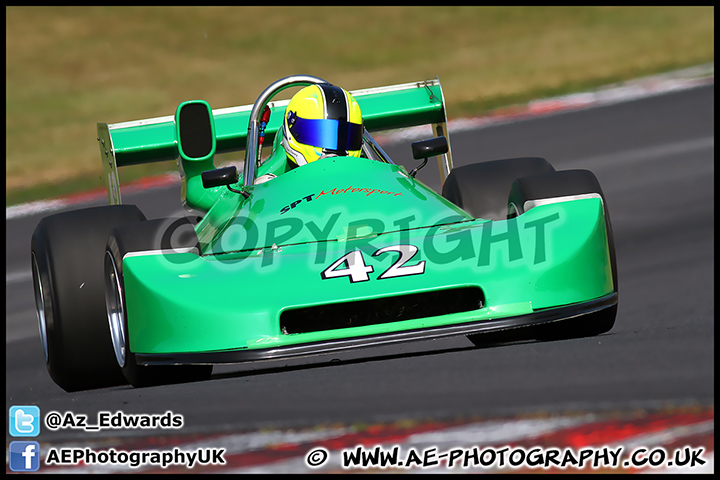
(551, 263)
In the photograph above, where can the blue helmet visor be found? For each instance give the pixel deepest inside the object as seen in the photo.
(330, 134)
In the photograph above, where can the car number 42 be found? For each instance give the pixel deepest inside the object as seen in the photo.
(353, 265)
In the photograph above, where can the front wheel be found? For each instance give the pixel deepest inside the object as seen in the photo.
(529, 190)
(162, 234)
(66, 257)
(482, 189)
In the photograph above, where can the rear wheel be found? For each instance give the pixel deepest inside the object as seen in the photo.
(162, 234)
(66, 255)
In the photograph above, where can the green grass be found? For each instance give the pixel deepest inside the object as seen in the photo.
(68, 68)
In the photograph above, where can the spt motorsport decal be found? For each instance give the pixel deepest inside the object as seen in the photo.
(337, 191)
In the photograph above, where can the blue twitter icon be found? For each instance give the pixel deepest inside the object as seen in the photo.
(24, 421)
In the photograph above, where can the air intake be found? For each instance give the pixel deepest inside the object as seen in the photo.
(381, 310)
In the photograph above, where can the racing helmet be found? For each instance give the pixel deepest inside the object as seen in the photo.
(322, 120)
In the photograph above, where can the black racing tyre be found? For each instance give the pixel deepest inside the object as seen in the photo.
(561, 184)
(67, 257)
(162, 234)
(482, 189)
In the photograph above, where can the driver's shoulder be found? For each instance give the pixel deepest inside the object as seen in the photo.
(275, 164)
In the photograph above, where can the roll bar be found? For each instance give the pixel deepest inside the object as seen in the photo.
(252, 151)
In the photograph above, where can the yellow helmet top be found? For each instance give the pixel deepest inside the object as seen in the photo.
(322, 120)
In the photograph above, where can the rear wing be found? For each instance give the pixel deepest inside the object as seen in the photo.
(156, 139)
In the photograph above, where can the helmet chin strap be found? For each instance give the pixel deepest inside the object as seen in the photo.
(327, 152)
(299, 159)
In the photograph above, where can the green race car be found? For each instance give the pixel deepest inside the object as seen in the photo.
(340, 253)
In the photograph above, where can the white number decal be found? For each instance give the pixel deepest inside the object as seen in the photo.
(398, 269)
(353, 265)
(355, 268)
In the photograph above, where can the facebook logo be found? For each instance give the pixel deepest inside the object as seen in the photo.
(24, 456)
(24, 421)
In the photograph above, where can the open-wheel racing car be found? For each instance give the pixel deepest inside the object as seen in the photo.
(340, 253)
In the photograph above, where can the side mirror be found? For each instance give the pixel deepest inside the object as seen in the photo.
(219, 177)
(429, 148)
(425, 149)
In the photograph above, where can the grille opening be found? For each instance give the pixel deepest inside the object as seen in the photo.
(381, 310)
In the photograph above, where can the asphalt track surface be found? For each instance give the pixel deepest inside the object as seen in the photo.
(654, 158)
